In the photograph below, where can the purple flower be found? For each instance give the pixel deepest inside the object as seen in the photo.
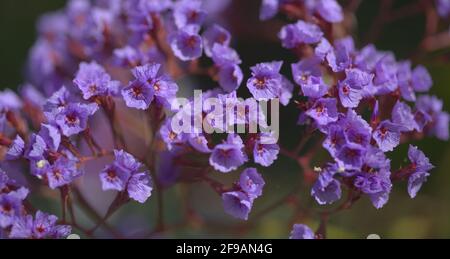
(340, 57)
(150, 83)
(300, 231)
(199, 143)
(403, 116)
(326, 190)
(42, 226)
(215, 34)
(266, 80)
(230, 77)
(16, 149)
(251, 182)
(186, 44)
(376, 185)
(330, 10)
(324, 111)
(10, 209)
(421, 79)
(268, 9)
(420, 166)
(323, 49)
(140, 187)
(62, 172)
(350, 89)
(73, 118)
(292, 35)
(237, 204)
(265, 151)
(224, 55)
(127, 56)
(404, 75)
(124, 175)
(443, 8)
(387, 135)
(308, 75)
(430, 108)
(335, 139)
(114, 178)
(229, 155)
(351, 155)
(51, 136)
(171, 138)
(188, 13)
(93, 80)
(374, 178)
(58, 100)
(138, 95)
(385, 80)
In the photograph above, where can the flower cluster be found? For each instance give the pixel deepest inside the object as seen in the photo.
(102, 85)
(15, 222)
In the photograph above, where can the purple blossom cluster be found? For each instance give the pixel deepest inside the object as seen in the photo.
(15, 220)
(122, 62)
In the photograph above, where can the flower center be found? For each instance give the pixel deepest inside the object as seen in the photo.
(172, 135)
(7, 208)
(57, 174)
(191, 42)
(156, 86)
(320, 109)
(71, 118)
(111, 174)
(345, 89)
(93, 88)
(260, 82)
(137, 91)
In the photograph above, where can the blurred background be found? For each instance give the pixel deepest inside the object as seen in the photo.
(427, 216)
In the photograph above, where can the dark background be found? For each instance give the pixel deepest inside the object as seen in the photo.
(426, 216)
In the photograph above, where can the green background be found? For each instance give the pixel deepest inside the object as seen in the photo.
(427, 216)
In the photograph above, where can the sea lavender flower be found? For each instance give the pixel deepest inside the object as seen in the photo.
(229, 155)
(329, 10)
(188, 13)
(429, 113)
(16, 149)
(73, 118)
(324, 111)
(300, 231)
(251, 182)
(227, 60)
(10, 209)
(215, 34)
(237, 204)
(125, 175)
(293, 35)
(266, 80)
(421, 79)
(186, 44)
(403, 116)
(327, 189)
(420, 170)
(62, 172)
(308, 75)
(350, 89)
(93, 80)
(443, 8)
(150, 83)
(268, 9)
(42, 226)
(265, 151)
(387, 135)
(374, 178)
